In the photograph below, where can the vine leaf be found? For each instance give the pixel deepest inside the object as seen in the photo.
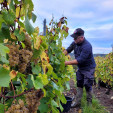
(36, 69)
(4, 77)
(20, 36)
(1, 1)
(1, 20)
(29, 28)
(5, 31)
(37, 83)
(1, 108)
(9, 16)
(4, 50)
(33, 17)
(37, 42)
(17, 11)
(43, 107)
(44, 78)
(13, 74)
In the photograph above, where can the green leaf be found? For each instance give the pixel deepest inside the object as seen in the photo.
(37, 53)
(5, 31)
(29, 28)
(20, 36)
(55, 110)
(29, 81)
(16, 1)
(28, 5)
(2, 108)
(21, 24)
(1, 20)
(61, 106)
(4, 60)
(4, 77)
(55, 86)
(3, 50)
(23, 45)
(12, 6)
(36, 69)
(33, 17)
(1, 37)
(37, 83)
(43, 108)
(67, 85)
(22, 76)
(53, 103)
(8, 16)
(63, 99)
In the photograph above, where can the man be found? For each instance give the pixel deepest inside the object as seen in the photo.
(86, 65)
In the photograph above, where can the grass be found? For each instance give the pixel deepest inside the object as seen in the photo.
(94, 108)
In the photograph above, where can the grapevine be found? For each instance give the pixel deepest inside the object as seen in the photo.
(32, 68)
(104, 69)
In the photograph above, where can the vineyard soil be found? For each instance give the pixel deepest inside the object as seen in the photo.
(104, 99)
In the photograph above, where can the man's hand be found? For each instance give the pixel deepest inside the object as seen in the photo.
(72, 62)
(65, 52)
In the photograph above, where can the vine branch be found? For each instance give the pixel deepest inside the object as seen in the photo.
(17, 95)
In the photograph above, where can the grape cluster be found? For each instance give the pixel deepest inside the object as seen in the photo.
(13, 54)
(27, 42)
(25, 57)
(19, 57)
(18, 107)
(33, 100)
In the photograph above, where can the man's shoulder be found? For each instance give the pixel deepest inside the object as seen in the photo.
(87, 46)
(87, 43)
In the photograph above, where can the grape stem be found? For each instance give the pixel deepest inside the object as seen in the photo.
(13, 88)
(17, 95)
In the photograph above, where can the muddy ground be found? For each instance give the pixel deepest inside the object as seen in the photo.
(104, 99)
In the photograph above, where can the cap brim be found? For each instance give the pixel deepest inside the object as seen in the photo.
(74, 35)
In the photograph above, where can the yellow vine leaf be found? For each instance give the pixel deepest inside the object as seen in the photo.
(1, 1)
(79, 111)
(44, 91)
(37, 42)
(5, 40)
(21, 30)
(22, 12)
(45, 62)
(17, 11)
(44, 68)
(44, 57)
(9, 1)
(6, 66)
(44, 78)
(13, 36)
(13, 74)
(37, 30)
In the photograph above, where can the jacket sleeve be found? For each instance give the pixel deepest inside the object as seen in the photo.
(86, 51)
(70, 48)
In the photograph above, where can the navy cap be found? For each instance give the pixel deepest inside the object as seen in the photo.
(77, 32)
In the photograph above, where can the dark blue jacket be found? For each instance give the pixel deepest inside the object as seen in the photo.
(83, 54)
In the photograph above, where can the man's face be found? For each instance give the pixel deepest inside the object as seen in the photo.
(78, 40)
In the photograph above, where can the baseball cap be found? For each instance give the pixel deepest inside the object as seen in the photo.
(77, 32)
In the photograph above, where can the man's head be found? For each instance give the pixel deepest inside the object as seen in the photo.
(78, 35)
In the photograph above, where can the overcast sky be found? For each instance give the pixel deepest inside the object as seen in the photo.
(94, 16)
